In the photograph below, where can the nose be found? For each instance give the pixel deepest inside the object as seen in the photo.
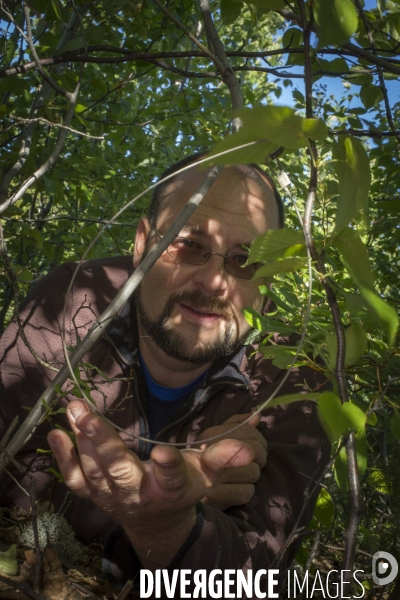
(212, 277)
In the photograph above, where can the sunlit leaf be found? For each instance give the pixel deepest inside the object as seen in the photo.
(351, 164)
(290, 398)
(355, 255)
(371, 95)
(286, 265)
(330, 413)
(8, 561)
(324, 509)
(275, 243)
(336, 20)
(386, 314)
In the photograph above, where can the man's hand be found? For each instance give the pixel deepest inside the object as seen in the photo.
(153, 500)
(236, 485)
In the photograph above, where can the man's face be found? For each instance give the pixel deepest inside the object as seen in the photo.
(194, 312)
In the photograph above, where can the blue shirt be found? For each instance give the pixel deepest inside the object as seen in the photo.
(164, 401)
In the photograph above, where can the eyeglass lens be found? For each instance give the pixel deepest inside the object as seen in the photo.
(195, 253)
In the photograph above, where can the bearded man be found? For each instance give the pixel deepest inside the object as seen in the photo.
(173, 367)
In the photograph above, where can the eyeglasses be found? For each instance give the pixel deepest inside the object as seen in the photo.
(193, 252)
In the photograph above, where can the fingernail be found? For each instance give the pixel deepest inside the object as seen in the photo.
(54, 442)
(74, 412)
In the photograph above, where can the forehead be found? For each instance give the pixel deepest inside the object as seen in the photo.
(240, 202)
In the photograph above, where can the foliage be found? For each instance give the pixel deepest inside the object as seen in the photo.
(149, 96)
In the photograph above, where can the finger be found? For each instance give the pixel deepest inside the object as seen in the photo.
(245, 433)
(104, 457)
(226, 454)
(170, 469)
(223, 496)
(260, 452)
(245, 474)
(68, 462)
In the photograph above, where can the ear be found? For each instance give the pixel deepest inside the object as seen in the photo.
(142, 234)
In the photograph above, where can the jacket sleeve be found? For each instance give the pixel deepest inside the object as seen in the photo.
(23, 378)
(256, 535)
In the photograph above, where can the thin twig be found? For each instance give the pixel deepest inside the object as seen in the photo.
(14, 283)
(126, 590)
(51, 124)
(49, 397)
(191, 37)
(41, 95)
(66, 218)
(29, 40)
(23, 587)
(17, 482)
(50, 161)
(38, 553)
(379, 70)
(354, 482)
(307, 494)
(225, 69)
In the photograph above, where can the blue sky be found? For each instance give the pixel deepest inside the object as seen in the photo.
(334, 85)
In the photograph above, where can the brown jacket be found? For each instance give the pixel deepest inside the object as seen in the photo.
(242, 537)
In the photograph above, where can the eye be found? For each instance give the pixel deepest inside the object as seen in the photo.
(239, 259)
(186, 243)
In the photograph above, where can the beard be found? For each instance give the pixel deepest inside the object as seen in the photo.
(175, 344)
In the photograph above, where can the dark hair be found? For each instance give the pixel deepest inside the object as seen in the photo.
(158, 193)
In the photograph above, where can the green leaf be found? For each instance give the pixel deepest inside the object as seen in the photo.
(324, 509)
(74, 44)
(371, 95)
(265, 324)
(353, 416)
(330, 414)
(282, 355)
(272, 126)
(57, 9)
(395, 423)
(56, 474)
(8, 561)
(356, 343)
(387, 316)
(269, 4)
(378, 480)
(230, 11)
(341, 470)
(336, 20)
(276, 243)
(290, 398)
(286, 265)
(355, 255)
(351, 164)
(362, 451)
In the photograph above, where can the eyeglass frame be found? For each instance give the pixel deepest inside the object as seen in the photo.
(225, 256)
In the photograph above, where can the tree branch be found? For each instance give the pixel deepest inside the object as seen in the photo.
(190, 36)
(42, 93)
(36, 58)
(50, 161)
(355, 492)
(226, 71)
(379, 69)
(49, 397)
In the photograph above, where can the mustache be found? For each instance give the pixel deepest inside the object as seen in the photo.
(196, 299)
